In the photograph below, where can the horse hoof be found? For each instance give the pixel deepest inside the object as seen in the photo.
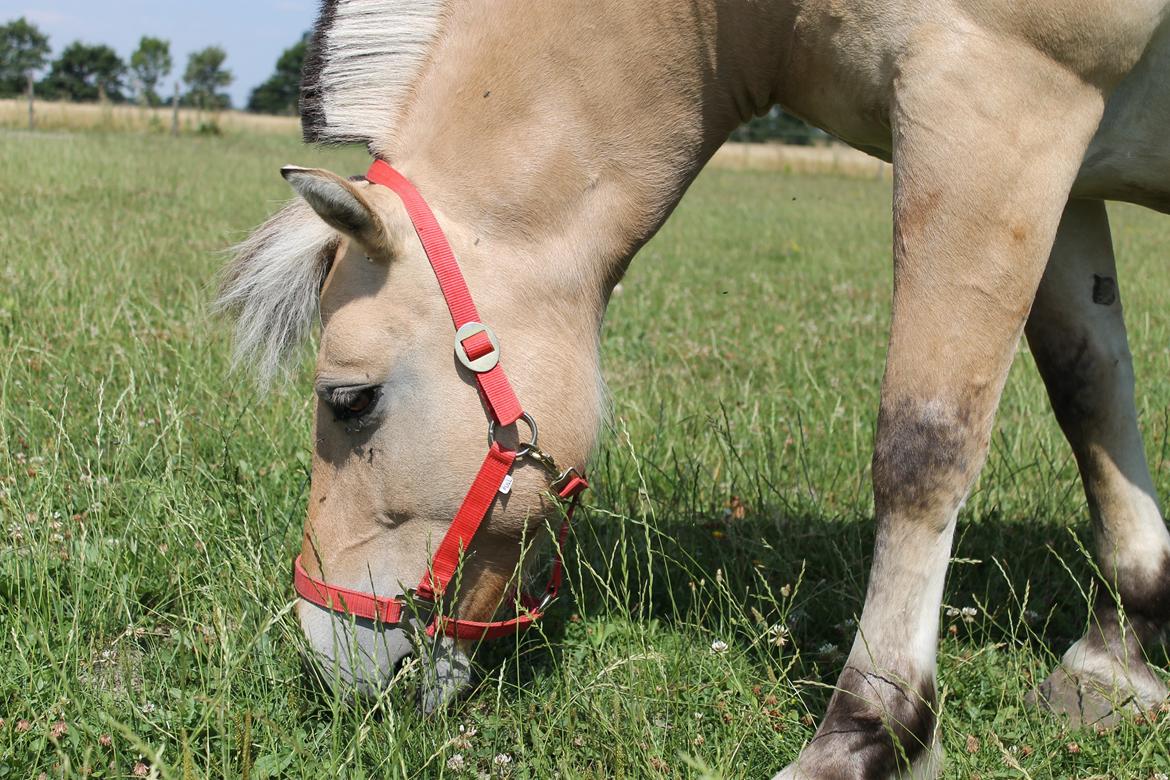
(1087, 701)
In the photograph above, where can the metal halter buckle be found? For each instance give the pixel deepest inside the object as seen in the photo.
(525, 450)
(418, 607)
(486, 361)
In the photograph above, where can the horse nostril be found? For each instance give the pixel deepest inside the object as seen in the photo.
(401, 662)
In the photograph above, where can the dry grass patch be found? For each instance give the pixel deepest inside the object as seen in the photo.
(62, 115)
(834, 159)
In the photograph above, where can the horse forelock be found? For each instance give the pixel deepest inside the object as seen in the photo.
(271, 287)
(364, 56)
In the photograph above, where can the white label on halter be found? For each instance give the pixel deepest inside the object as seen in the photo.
(506, 485)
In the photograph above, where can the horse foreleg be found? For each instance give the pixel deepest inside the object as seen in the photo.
(1077, 334)
(988, 137)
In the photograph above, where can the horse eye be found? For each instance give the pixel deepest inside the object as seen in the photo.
(349, 405)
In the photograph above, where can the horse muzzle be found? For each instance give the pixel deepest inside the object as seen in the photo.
(360, 659)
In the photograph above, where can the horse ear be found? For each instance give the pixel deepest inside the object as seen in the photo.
(339, 202)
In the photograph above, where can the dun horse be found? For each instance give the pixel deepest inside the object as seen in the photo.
(548, 141)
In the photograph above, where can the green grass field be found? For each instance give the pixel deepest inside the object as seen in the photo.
(151, 501)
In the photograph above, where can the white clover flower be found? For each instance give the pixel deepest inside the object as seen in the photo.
(779, 634)
(719, 647)
(502, 760)
(456, 763)
(463, 741)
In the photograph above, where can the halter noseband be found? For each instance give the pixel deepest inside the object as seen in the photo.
(478, 350)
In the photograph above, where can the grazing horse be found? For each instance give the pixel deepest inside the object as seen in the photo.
(549, 141)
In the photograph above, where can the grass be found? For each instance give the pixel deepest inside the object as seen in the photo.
(151, 501)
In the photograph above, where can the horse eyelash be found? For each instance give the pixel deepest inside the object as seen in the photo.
(340, 396)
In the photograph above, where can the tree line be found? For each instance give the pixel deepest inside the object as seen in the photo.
(90, 72)
(778, 125)
(85, 72)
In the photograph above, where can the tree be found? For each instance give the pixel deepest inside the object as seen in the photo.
(150, 63)
(23, 50)
(204, 76)
(280, 93)
(777, 125)
(84, 72)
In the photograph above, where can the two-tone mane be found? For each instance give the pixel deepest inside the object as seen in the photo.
(364, 57)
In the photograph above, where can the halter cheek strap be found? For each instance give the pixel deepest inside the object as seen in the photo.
(478, 349)
(475, 343)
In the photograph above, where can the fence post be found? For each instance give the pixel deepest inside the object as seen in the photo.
(32, 119)
(175, 111)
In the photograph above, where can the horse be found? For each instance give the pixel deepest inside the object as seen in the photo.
(548, 142)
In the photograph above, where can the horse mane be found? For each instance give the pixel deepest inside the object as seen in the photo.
(363, 58)
(272, 285)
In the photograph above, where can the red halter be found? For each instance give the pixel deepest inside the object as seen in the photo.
(477, 348)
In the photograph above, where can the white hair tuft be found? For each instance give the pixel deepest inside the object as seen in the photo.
(272, 285)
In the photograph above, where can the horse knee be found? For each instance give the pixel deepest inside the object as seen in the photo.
(925, 458)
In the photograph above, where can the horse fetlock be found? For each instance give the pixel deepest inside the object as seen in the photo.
(1144, 591)
(1104, 675)
(926, 767)
(877, 726)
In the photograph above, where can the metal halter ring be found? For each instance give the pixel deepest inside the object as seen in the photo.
(527, 448)
(486, 361)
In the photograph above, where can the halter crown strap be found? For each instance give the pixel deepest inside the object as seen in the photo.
(494, 386)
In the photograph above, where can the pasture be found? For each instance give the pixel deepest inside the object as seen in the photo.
(151, 500)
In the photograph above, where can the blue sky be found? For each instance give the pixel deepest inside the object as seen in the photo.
(252, 32)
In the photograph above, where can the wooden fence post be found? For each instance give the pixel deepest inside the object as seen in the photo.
(32, 119)
(175, 111)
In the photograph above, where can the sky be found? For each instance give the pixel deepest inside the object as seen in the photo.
(252, 32)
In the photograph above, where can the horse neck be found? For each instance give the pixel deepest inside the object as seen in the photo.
(572, 129)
